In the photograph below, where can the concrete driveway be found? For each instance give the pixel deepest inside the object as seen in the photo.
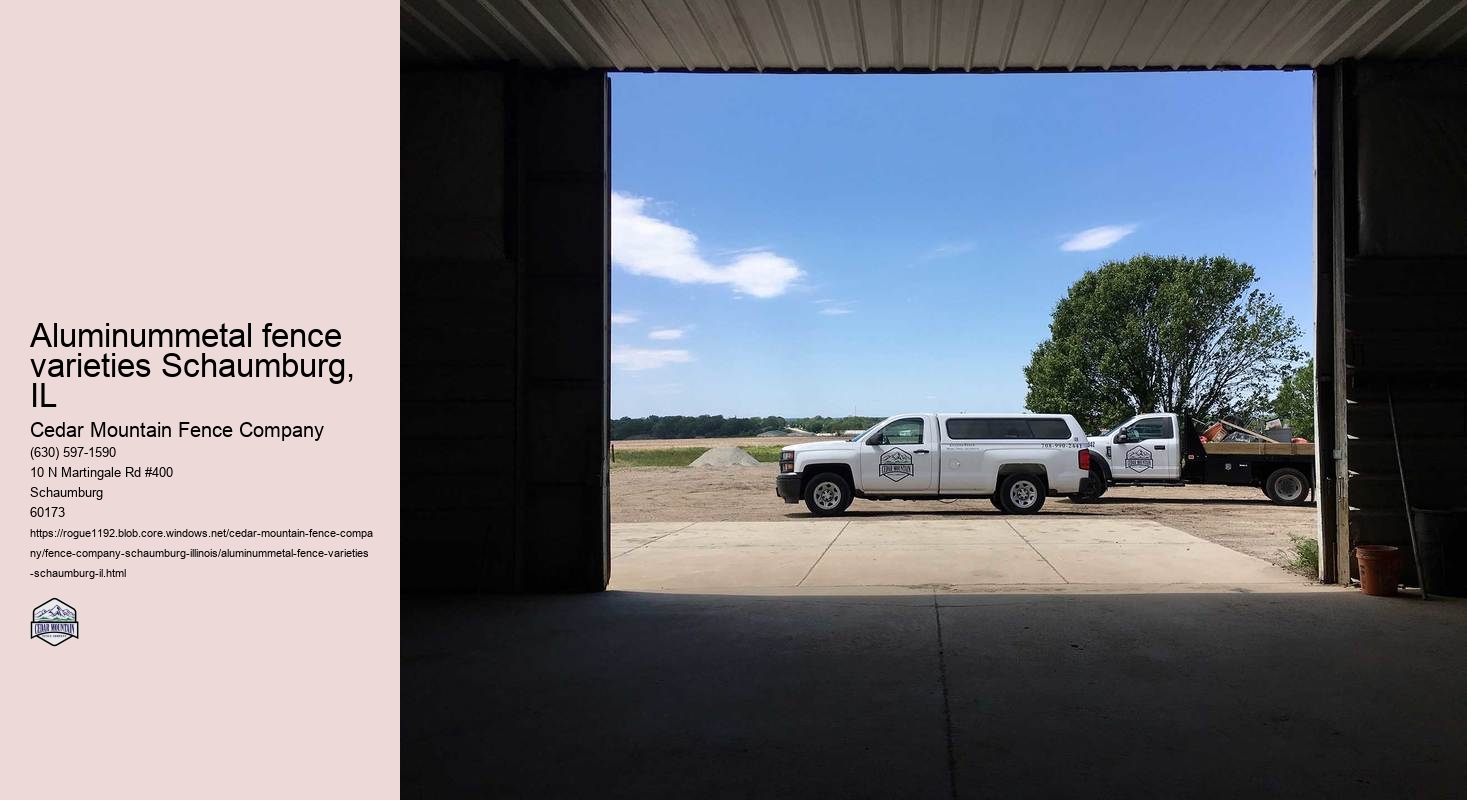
(1064, 554)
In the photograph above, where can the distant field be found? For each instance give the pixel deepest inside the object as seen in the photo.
(736, 441)
(683, 456)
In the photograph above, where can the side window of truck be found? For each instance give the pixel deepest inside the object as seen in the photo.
(1151, 428)
(1008, 429)
(903, 431)
(960, 429)
(1049, 429)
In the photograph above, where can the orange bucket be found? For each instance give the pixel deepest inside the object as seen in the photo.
(1380, 569)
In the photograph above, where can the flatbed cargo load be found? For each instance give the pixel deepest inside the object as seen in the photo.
(1259, 448)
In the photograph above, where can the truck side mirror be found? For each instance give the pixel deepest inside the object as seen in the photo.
(878, 438)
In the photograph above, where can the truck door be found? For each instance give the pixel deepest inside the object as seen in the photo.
(1146, 449)
(900, 458)
(961, 458)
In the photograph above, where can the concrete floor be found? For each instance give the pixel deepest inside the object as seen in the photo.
(1324, 693)
(965, 554)
(1014, 657)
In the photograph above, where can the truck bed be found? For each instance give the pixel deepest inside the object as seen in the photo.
(1258, 449)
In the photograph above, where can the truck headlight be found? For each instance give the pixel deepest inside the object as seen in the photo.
(786, 461)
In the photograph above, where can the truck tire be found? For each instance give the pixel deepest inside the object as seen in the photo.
(1097, 488)
(1287, 487)
(993, 498)
(1021, 494)
(828, 494)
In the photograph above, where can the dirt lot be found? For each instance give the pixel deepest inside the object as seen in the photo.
(1242, 519)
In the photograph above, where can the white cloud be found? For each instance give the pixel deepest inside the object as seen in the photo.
(835, 311)
(666, 334)
(644, 245)
(640, 358)
(1097, 238)
(623, 319)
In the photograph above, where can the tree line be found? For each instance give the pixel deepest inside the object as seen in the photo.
(717, 425)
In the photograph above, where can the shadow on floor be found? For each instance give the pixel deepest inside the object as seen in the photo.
(1195, 501)
(627, 694)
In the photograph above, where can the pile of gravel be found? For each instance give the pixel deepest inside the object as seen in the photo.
(725, 457)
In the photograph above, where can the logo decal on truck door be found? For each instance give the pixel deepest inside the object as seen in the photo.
(896, 464)
(1138, 459)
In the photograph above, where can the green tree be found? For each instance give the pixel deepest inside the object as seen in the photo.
(1295, 401)
(1162, 333)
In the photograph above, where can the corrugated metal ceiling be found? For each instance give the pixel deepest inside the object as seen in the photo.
(927, 35)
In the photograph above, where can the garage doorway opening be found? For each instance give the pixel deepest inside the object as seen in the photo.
(798, 257)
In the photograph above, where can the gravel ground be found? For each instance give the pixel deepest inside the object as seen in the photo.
(1238, 518)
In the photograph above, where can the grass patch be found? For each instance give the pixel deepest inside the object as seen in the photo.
(656, 456)
(764, 453)
(1306, 556)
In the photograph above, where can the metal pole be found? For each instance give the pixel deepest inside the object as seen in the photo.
(1405, 497)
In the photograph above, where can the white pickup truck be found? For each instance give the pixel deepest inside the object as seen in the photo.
(1014, 460)
(1167, 450)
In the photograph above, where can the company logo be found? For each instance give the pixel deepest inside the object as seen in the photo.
(53, 622)
(896, 464)
(1138, 459)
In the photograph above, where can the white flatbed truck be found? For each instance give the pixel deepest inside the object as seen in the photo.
(1167, 450)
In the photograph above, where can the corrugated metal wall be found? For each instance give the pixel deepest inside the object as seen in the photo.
(1400, 257)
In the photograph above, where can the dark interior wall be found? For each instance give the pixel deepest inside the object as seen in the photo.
(505, 296)
(562, 134)
(1400, 252)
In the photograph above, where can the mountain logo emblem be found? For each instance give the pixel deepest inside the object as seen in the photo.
(1139, 459)
(896, 464)
(53, 622)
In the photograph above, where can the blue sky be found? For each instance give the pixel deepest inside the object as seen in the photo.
(874, 244)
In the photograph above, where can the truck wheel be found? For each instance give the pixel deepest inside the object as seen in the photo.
(828, 494)
(1287, 486)
(1021, 494)
(993, 498)
(1097, 488)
